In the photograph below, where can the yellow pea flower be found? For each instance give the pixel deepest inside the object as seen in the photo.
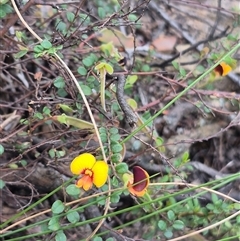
(137, 182)
(90, 171)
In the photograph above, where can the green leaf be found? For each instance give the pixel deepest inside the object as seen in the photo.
(110, 239)
(58, 207)
(38, 49)
(52, 153)
(86, 90)
(214, 198)
(2, 184)
(82, 70)
(101, 12)
(115, 182)
(109, 68)
(102, 130)
(60, 236)
(53, 224)
(46, 44)
(59, 82)
(73, 121)
(70, 16)
(66, 108)
(133, 17)
(1, 149)
(113, 130)
(182, 72)
(13, 166)
(178, 225)
(146, 68)
(38, 115)
(121, 168)
(73, 216)
(3, 2)
(175, 64)
(101, 201)
(116, 158)
(46, 110)
(97, 239)
(116, 148)
(23, 163)
(185, 157)
(162, 225)
(61, 153)
(171, 215)
(5, 9)
(168, 233)
(88, 61)
(115, 137)
(62, 27)
(20, 54)
(52, 50)
(62, 93)
(115, 197)
(73, 190)
(103, 137)
(131, 79)
(238, 219)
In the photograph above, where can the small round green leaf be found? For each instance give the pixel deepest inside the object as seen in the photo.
(73, 190)
(60, 236)
(46, 44)
(70, 16)
(73, 216)
(88, 61)
(162, 225)
(168, 233)
(101, 12)
(59, 82)
(115, 197)
(110, 239)
(82, 71)
(97, 239)
(178, 225)
(113, 130)
(171, 215)
(103, 137)
(2, 184)
(1, 149)
(86, 90)
(121, 168)
(115, 137)
(116, 158)
(58, 207)
(116, 148)
(53, 224)
(38, 49)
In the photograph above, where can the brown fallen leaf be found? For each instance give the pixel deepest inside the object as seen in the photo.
(116, 37)
(164, 43)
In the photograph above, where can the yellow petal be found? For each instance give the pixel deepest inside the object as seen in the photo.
(82, 162)
(226, 68)
(100, 173)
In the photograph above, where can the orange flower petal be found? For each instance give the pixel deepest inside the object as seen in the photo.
(136, 193)
(82, 162)
(140, 182)
(85, 182)
(223, 69)
(100, 173)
